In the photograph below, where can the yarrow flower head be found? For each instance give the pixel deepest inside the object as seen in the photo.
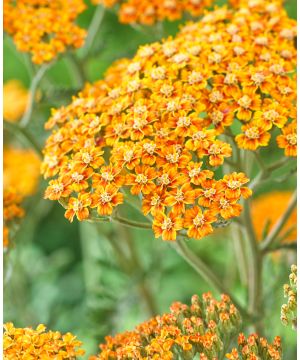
(289, 310)
(44, 28)
(148, 12)
(201, 328)
(154, 124)
(28, 343)
(255, 347)
(15, 98)
(21, 170)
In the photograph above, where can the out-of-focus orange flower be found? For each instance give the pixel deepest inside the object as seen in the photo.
(28, 343)
(15, 98)
(268, 208)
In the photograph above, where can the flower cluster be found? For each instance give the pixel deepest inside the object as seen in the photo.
(44, 28)
(21, 172)
(148, 12)
(202, 328)
(15, 98)
(289, 310)
(256, 348)
(28, 343)
(12, 212)
(267, 209)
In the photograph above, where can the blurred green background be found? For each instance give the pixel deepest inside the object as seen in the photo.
(67, 276)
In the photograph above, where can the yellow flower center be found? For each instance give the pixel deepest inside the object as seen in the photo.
(128, 155)
(217, 116)
(172, 158)
(183, 121)
(292, 139)
(199, 220)
(141, 179)
(224, 203)
(195, 77)
(179, 196)
(107, 176)
(230, 79)
(215, 96)
(252, 133)
(155, 200)
(149, 148)
(209, 193)
(271, 115)
(214, 149)
(167, 90)
(105, 197)
(245, 101)
(57, 188)
(164, 179)
(234, 184)
(86, 158)
(158, 73)
(258, 78)
(199, 135)
(77, 205)
(167, 224)
(194, 172)
(77, 177)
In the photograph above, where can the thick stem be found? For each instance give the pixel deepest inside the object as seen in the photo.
(32, 94)
(271, 238)
(93, 29)
(240, 252)
(206, 273)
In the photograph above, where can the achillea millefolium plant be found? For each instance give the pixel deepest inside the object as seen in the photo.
(195, 134)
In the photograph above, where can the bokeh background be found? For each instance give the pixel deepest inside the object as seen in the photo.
(67, 276)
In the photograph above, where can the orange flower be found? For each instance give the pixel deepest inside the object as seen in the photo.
(177, 198)
(227, 208)
(154, 202)
(105, 199)
(57, 189)
(142, 180)
(254, 135)
(234, 186)
(288, 139)
(246, 101)
(198, 223)
(167, 226)
(79, 207)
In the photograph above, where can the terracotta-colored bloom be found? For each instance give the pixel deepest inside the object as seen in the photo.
(142, 180)
(105, 199)
(255, 134)
(79, 207)
(235, 188)
(167, 226)
(288, 139)
(198, 223)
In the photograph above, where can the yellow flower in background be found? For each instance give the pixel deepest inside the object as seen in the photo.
(15, 98)
(30, 344)
(21, 170)
(268, 208)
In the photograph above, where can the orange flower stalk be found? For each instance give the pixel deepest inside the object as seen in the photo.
(44, 28)
(28, 343)
(200, 329)
(163, 119)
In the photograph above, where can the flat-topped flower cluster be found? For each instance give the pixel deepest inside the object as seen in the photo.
(164, 122)
(147, 12)
(44, 28)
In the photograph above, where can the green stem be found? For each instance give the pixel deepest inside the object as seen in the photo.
(32, 94)
(24, 136)
(205, 272)
(286, 246)
(274, 233)
(93, 29)
(240, 253)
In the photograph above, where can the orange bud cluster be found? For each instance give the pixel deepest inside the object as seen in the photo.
(200, 328)
(44, 28)
(147, 12)
(12, 212)
(30, 344)
(289, 310)
(256, 348)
